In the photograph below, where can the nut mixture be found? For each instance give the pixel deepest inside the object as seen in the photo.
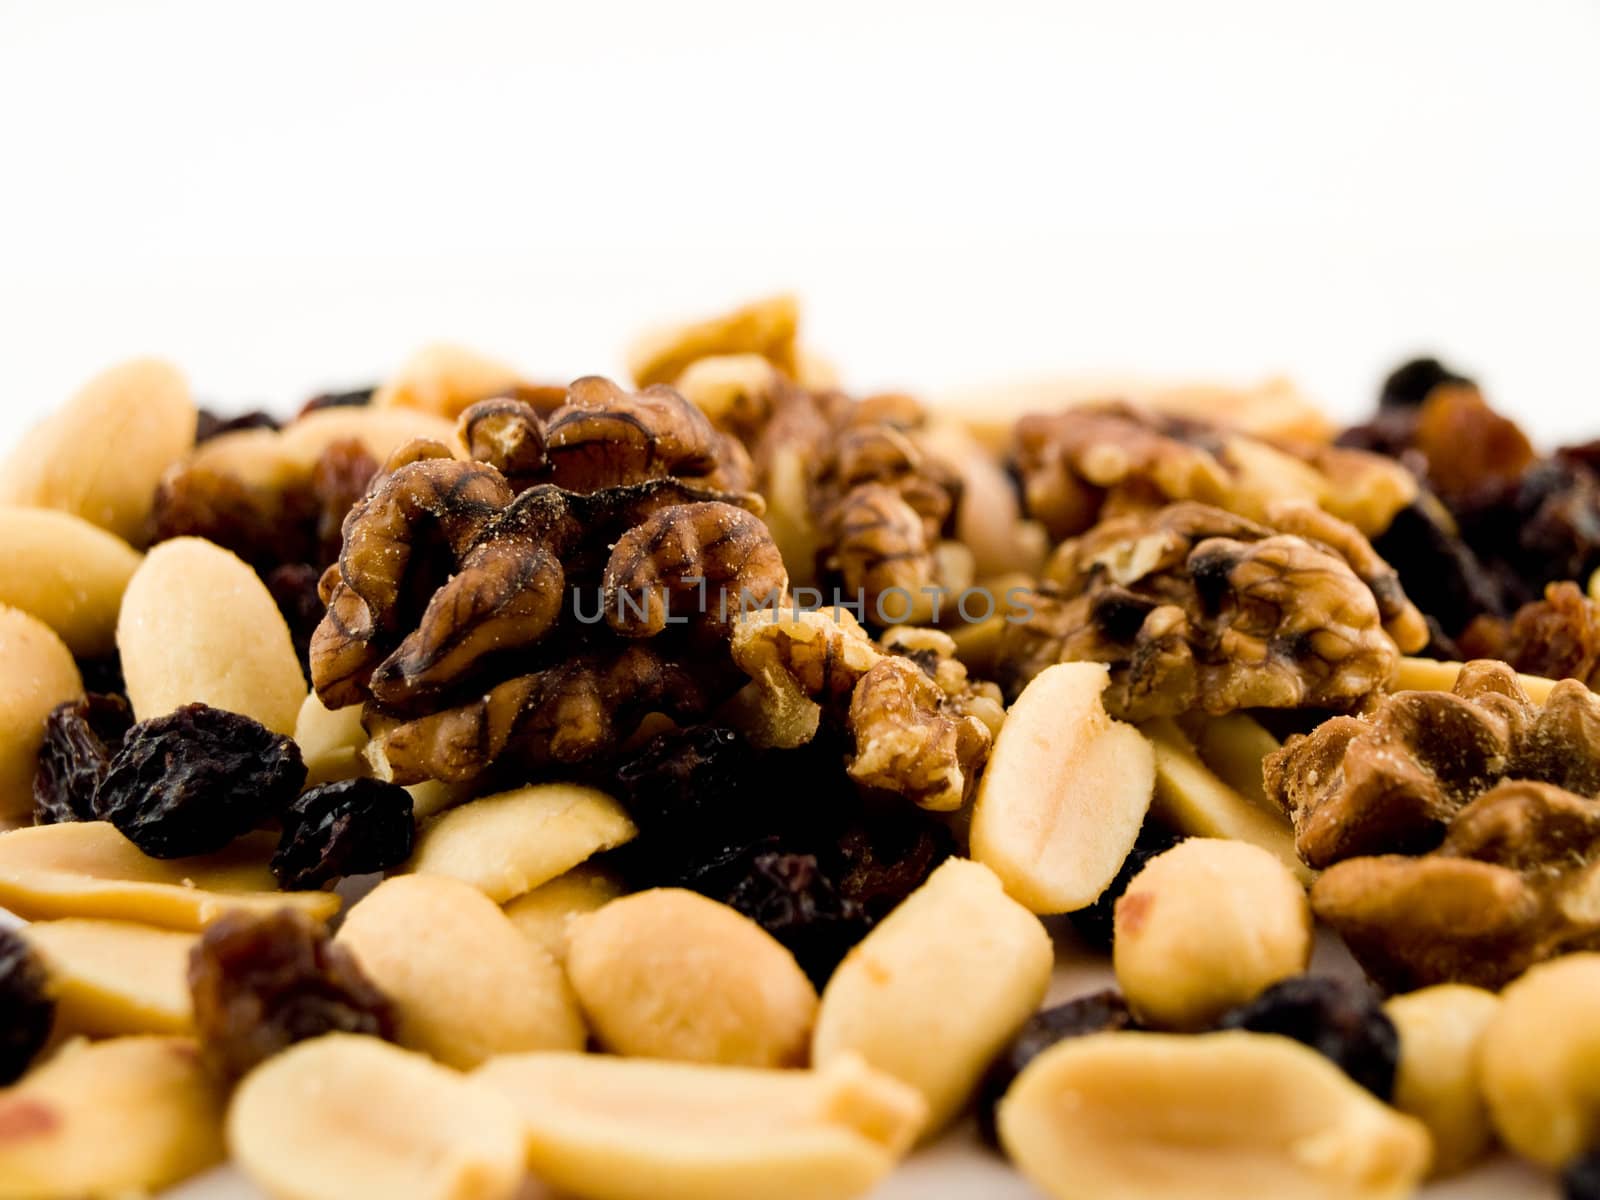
(660, 791)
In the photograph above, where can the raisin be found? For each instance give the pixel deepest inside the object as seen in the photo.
(103, 675)
(353, 827)
(26, 1008)
(790, 897)
(1095, 924)
(358, 398)
(1580, 1178)
(1098, 1012)
(260, 983)
(885, 857)
(1339, 1019)
(212, 425)
(193, 780)
(294, 589)
(1409, 384)
(1438, 570)
(339, 479)
(80, 738)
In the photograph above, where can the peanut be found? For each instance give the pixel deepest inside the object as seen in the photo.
(766, 327)
(1539, 1061)
(1429, 675)
(464, 983)
(102, 454)
(109, 1119)
(115, 977)
(668, 973)
(1146, 1116)
(330, 741)
(1206, 926)
(197, 624)
(988, 518)
(638, 1129)
(510, 843)
(1234, 746)
(934, 991)
(542, 915)
(40, 674)
(1065, 792)
(380, 430)
(1441, 1029)
(342, 1116)
(730, 388)
(88, 869)
(445, 379)
(68, 573)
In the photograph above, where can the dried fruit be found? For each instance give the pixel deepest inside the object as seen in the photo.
(1555, 638)
(1439, 571)
(1580, 1178)
(80, 739)
(39, 675)
(27, 1009)
(1342, 1021)
(190, 782)
(114, 978)
(791, 897)
(1098, 1012)
(210, 424)
(261, 983)
(353, 827)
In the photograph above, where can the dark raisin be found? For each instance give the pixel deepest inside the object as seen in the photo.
(80, 738)
(193, 780)
(294, 589)
(212, 425)
(1098, 1012)
(1409, 384)
(260, 983)
(358, 398)
(1095, 923)
(790, 897)
(353, 827)
(1580, 1178)
(27, 1010)
(1439, 571)
(339, 479)
(1342, 1020)
(885, 857)
(103, 675)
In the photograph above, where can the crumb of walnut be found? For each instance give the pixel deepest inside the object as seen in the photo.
(260, 983)
(1509, 885)
(1394, 780)
(1197, 609)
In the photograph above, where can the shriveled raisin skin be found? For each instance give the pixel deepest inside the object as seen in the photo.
(80, 738)
(790, 897)
(261, 983)
(212, 424)
(27, 1009)
(353, 827)
(1341, 1020)
(356, 398)
(1095, 923)
(195, 779)
(1580, 1178)
(1097, 1012)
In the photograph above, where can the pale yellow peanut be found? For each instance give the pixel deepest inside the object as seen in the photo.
(667, 973)
(1441, 1029)
(730, 388)
(1151, 1116)
(602, 1128)
(1064, 793)
(1234, 746)
(381, 431)
(68, 573)
(766, 327)
(934, 991)
(988, 518)
(88, 869)
(1206, 926)
(39, 673)
(510, 843)
(464, 983)
(100, 456)
(343, 1117)
(331, 741)
(444, 379)
(109, 1119)
(116, 977)
(197, 624)
(1431, 675)
(542, 915)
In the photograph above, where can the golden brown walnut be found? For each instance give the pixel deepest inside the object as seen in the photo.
(799, 662)
(1514, 882)
(1557, 637)
(1393, 781)
(1113, 458)
(1197, 609)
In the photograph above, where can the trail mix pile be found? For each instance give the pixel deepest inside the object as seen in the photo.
(658, 788)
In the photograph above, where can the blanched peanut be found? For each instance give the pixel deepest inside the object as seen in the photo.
(602, 1128)
(68, 573)
(101, 455)
(330, 740)
(542, 916)
(1205, 926)
(1429, 675)
(88, 869)
(988, 518)
(1064, 794)
(1441, 1029)
(197, 624)
(115, 977)
(1234, 746)
(1539, 1061)
(109, 1119)
(932, 994)
(464, 983)
(381, 431)
(668, 973)
(445, 379)
(342, 1117)
(766, 327)
(1191, 799)
(1148, 1116)
(510, 843)
(39, 674)
(730, 388)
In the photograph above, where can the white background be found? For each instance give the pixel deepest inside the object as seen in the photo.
(284, 196)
